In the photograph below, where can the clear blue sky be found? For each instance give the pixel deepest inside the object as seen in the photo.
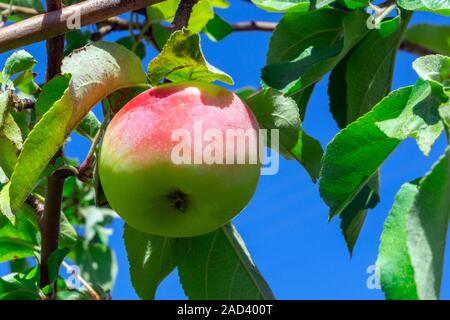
(285, 225)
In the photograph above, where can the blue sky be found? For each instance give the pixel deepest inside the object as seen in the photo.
(285, 226)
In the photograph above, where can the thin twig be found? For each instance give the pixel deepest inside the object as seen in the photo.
(415, 49)
(13, 9)
(94, 295)
(90, 155)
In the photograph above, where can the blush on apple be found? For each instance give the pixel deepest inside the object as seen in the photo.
(160, 196)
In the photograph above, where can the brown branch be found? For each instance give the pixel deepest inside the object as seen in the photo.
(416, 49)
(50, 225)
(51, 24)
(183, 14)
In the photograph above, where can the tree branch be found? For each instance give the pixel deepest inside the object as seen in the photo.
(415, 48)
(183, 14)
(51, 24)
(50, 225)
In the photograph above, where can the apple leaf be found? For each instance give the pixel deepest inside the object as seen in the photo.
(427, 228)
(182, 59)
(151, 259)
(354, 215)
(435, 6)
(356, 152)
(273, 111)
(21, 286)
(10, 135)
(353, 93)
(217, 28)
(130, 43)
(67, 234)
(394, 262)
(19, 61)
(295, 72)
(291, 5)
(218, 266)
(54, 263)
(357, 92)
(420, 119)
(298, 31)
(89, 126)
(17, 241)
(433, 68)
(96, 71)
(432, 37)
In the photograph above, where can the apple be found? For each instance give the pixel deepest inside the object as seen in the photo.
(165, 163)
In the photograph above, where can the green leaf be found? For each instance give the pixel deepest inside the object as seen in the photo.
(298, 31)
(182, 60)
(302, 99)
(151, 259)
(68, 235)
(354, 215)
(353, 92)
(10, 135)
(420, 119)
(160, 35)
(54, 263)
(394, 263)
(26, 84)
(218, 266)
(76, 39)
(19, 61)
(97, 263)
(434, 68)
(19, 240)
(275, 111)
(436, 6)
(305, 59)
(89, 126)
(427, 228)
(216, 29)
(51, 92)
(97, 70)
(290, 5)
(356, 152)
(432, 37)
(129, 43)
(21, 286)
(19, 265)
